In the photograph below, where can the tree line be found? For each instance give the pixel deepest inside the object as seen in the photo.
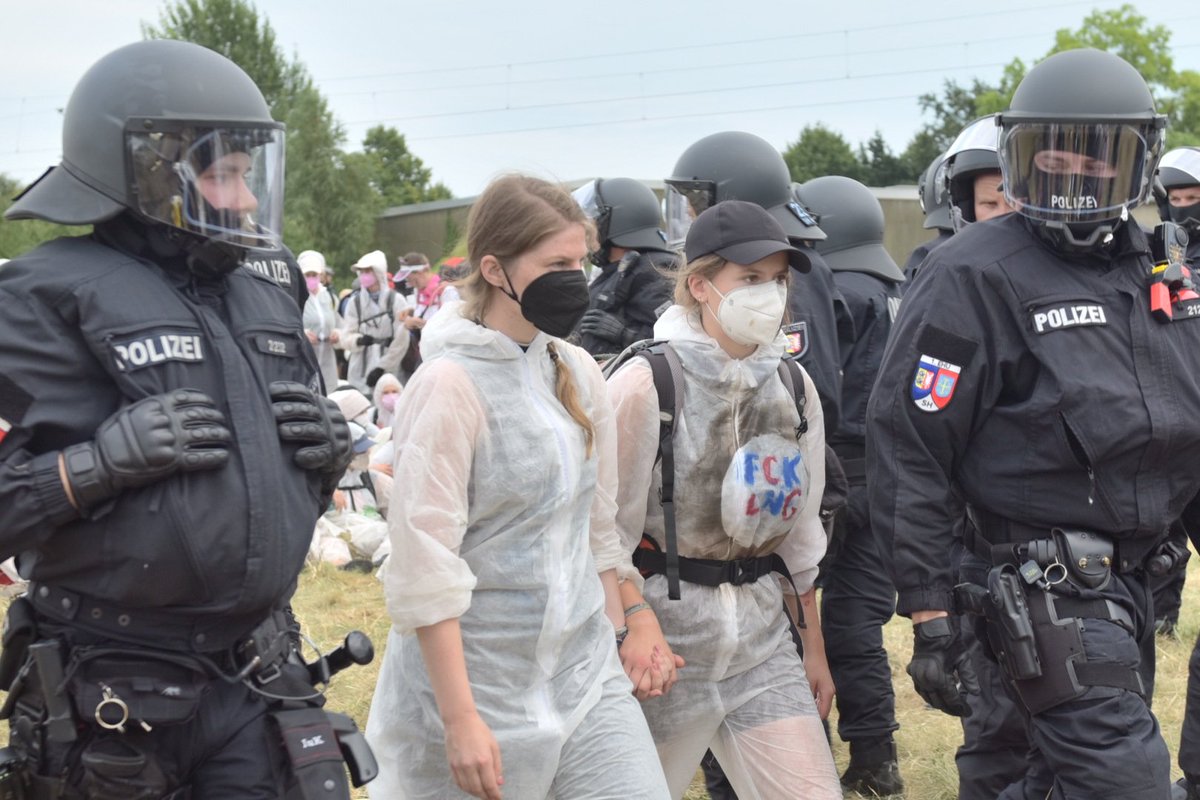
(821, 150)
(334, 194)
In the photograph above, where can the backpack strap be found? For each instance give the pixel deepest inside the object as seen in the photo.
(667, 371)
(793, 380)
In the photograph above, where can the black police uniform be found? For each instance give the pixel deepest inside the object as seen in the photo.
(918, 255)
(185, 567)
(1167, 596)
(637, 298)
(857, 596)
(1040, 390)
(821, 325)
(280, 266)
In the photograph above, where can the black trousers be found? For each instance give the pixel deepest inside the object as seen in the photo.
(857, 600)
(1104, 743)
(995, 741)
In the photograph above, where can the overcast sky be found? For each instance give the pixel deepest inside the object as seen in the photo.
(577, 89)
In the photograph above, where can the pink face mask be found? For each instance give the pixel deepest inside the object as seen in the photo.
(366, 279)
(313, 284)
(388, 401)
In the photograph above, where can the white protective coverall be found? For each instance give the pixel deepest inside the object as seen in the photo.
(743, 487)
(499, 519)
(321, 318)
(374, 316)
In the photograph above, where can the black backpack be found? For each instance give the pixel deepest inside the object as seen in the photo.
(667, 373)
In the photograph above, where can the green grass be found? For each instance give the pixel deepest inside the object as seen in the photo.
(331, 602)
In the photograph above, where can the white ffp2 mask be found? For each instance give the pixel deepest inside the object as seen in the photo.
(751, 315)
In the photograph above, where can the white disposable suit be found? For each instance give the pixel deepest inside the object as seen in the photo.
(744, 487)
(499, 519)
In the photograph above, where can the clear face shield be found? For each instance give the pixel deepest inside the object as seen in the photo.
(221, 181)
(684, 201)
(592, 203)
(1076, 172)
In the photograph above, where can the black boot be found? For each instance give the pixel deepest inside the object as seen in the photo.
(874, 770)
(1183, 789)
(715, 780)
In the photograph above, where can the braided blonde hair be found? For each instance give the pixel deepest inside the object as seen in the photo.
(512, 216)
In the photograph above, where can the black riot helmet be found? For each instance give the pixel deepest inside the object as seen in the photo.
(935, 199)
(1178, 169)
(626, 213)
(852, 219)
(971, 154)
(1078, 146)
(734, 166)
(175, 133)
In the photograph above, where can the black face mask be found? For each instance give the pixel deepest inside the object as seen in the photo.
(554, 302)
(1188, 216)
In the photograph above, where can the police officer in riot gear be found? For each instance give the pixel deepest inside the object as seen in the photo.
(933, 194)
(995, 742)
(163, 455)
(630, 292)
(857, 597)
(973, 180)
(1177, 193)
(281, 266)
(741, 166)
(1032, 387)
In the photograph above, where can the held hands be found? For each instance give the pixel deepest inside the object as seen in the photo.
(940, 668)
(647, 658)
(474, 756)
(147, 441)
(414, 323)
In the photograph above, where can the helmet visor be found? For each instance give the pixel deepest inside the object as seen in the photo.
(1073, 172)
(686, 200)
(590, 200)
(219, 181)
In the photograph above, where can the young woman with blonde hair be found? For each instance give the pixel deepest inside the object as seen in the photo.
(501, 673)
(748, 475)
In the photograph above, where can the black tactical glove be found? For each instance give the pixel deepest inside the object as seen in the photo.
(606, 326)
(366, 340)
(146, 442)
(940, 668)
(317, 424)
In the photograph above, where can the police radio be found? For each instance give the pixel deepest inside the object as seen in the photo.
(1171, 286)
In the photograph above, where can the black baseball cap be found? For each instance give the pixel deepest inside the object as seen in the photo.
(743, 233)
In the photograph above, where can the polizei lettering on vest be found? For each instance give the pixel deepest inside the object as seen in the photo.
(157, 349)
(1074, 316)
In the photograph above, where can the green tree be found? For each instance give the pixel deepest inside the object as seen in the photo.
(952, 110)
(918, 155)
(332, 197)
(399, 176)
(330, 203)
(820, 151)
(1124, 32)
(879, 166)
(18, 236)
(233, 28)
